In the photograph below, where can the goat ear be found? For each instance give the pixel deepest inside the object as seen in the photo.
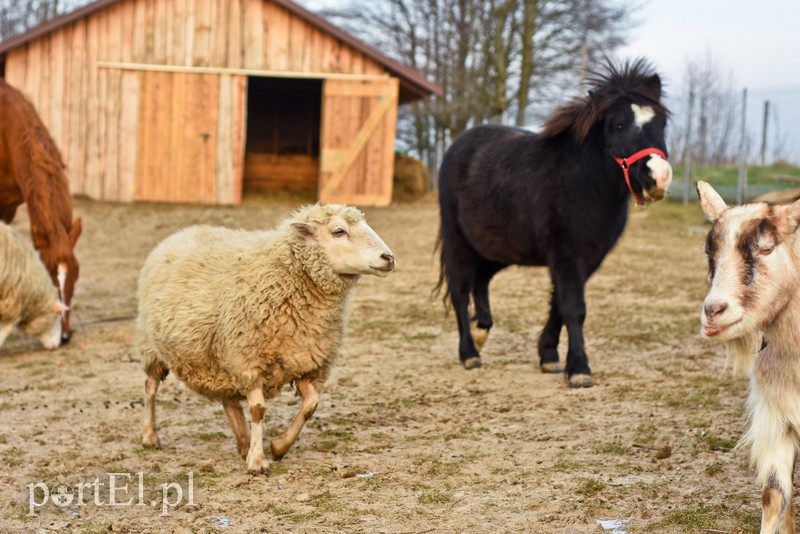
(307, 231)
(710, 201)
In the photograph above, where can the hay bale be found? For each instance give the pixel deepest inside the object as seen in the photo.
(411, 178)
(782, 196)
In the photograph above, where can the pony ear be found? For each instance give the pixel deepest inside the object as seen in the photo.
(710, 201)
(653, 86)
(75, 231)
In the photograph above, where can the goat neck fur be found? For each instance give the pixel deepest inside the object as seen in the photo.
(27, 296)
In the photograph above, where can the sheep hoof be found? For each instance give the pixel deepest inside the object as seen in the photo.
(472, 363)
(580, 381)
(479, 335)
(258, 465)
(277, 451)
(150, 440)
(551, 367)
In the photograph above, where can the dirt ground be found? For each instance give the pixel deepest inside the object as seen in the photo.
(404, 439)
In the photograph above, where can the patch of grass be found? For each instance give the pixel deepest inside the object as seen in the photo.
(330, 439)
(714, 468)
(88, 375)
(212, 436)
(566, 465)
(434, 497)
(612, 447)
(473, 430)
(5, 406)
(716, 443)
(591, 486)
(705, 517)
(278, 468)
(323, 472)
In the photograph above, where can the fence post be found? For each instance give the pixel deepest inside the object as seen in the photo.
(740, 186)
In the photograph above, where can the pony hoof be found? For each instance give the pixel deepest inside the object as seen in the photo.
(472, 363)
(479, 335)
(580, 381)
(66, 337)
(276, 451)
(150, 441)
(551, 367)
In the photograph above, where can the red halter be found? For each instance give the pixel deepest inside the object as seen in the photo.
(626, 163)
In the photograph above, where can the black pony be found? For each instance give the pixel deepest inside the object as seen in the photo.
(559, 198)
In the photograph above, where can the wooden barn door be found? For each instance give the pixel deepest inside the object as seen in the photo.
(359, 118)
(190, 138)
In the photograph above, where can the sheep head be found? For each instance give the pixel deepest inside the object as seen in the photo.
(351, 245)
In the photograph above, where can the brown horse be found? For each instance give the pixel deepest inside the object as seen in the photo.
(32, 171)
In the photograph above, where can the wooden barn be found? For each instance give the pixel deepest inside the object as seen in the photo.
(198, 100)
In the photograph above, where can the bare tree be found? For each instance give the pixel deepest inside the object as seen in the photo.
(716, 114)
(18, 16)
(494, 58)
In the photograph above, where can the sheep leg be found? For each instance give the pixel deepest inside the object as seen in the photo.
(235, 415)
(5, 329)
(256, 461)
(149, 436)
(775, 465)
(280, 445)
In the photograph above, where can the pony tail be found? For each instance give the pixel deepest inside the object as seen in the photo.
(442, 282)
(742, 351)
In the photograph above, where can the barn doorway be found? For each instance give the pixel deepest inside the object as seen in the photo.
(283, 132)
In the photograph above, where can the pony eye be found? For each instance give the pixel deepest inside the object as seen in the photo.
(339, 232)
(619, 127)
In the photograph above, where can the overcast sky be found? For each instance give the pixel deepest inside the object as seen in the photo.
(758, 41)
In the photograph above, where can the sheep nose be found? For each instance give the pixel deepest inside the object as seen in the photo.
(713, 309)
(389, 259)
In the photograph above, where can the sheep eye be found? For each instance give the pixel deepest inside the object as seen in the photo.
(339, 232)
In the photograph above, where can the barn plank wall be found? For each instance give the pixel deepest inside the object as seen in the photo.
(92, 112)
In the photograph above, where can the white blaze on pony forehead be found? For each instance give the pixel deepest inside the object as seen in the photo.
(642, 114)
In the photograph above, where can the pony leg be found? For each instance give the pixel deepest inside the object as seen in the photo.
(235, 415)
(774, 465)
(256, 461)
(548, 339)
(482, 322)
(280, 445)
(569, 287)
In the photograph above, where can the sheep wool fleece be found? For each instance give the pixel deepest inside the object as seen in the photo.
(228, 311)
(27, 294)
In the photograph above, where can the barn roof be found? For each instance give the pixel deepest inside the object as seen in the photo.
(411, 80)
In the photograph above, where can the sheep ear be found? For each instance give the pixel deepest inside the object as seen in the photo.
(307, 231)
(710, 201)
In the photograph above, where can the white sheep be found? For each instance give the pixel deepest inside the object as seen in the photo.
(237, 315)
(754, 272)
(28, 298)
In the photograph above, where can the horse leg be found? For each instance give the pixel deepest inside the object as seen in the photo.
(482, 322)
(569, 287)
(549, 337)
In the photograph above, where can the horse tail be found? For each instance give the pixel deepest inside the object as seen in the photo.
(442, 282)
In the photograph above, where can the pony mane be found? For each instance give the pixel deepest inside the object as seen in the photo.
(633, 80)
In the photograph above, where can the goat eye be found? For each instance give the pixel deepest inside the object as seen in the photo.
(764, 251)
(339, 232)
